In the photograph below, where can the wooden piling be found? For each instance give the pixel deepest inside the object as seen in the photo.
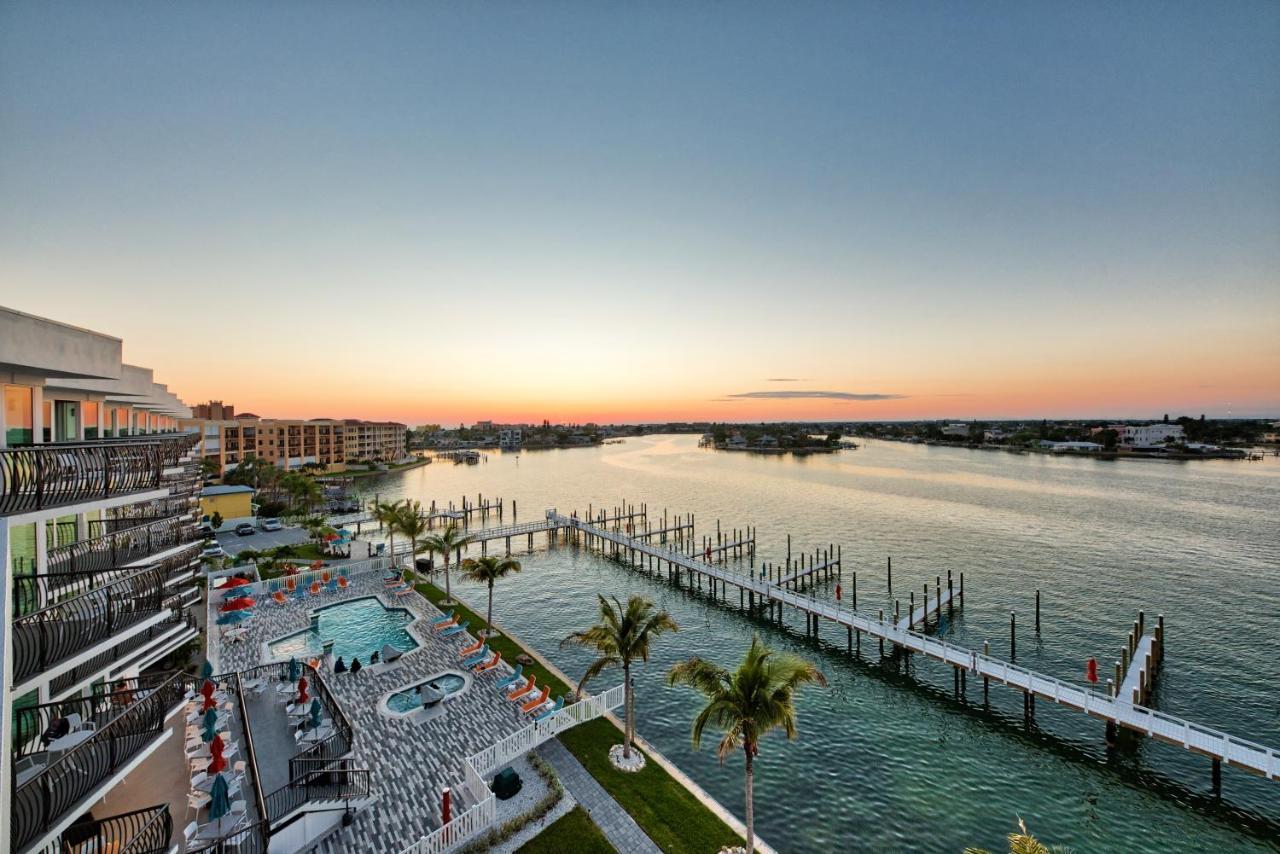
(1013, 637)
(1037, 612)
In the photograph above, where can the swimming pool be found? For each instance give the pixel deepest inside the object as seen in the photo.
(409, 698)
(358, 628)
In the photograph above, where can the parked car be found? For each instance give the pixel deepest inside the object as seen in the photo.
(244, 529)
(205, 529)
(212, 550)
(270, 524)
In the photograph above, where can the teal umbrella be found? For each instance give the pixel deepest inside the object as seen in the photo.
(315, 713)
(219, 798)
(206, 670)
(210, 725)
(295, 669)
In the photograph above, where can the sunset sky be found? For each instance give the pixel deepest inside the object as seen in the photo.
(656, 211)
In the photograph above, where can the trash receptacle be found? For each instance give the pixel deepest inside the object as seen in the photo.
(506, 784)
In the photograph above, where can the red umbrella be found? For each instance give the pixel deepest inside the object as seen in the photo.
(330, 537)
(237, 604)
(206, 690)
(236, 581)
(302, 689)
(215, 750)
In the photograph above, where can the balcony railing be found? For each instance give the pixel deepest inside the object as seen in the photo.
(322, 780)
(251, 839)
(120, 547)
(120, 652)
(144, 831)
(58, 631)
(35, 477)
(70, 777)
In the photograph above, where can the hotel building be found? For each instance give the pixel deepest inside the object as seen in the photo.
(291, 444)
(97, 539)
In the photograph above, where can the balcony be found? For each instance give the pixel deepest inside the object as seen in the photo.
(37, 477)
(120, 547)
(118, 654)
(87, 609)
(44, 793)
(144, 831)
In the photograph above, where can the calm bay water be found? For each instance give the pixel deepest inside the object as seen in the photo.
(887, 760)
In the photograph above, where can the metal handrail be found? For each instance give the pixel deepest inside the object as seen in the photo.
(143, 831)
(122, 546)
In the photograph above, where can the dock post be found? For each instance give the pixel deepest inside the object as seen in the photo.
(1216, 777)
(855, 590)
(1142, 625)
(937, 594)
(882, 636)
(1037, 612)
(986, 682)
(889, 564)
(962, 590)
(951, 593)
(911, 614)
(924, 609)
(850, 641)
(1013, 637)
(1160, 638)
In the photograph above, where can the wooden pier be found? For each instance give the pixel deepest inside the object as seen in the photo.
(1115, 710)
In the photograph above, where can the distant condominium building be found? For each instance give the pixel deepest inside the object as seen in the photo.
(286, 444)
(97, 539)
(379, 441)
(1151, 435)
(214, 410)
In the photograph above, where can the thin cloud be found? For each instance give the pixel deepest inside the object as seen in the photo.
(784, 380)
(812, 395)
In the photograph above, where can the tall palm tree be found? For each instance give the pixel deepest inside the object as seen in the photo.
(410, 523)
(623, 635)
(487, 570)
(757, 697)
(387, 513)
(444, 544)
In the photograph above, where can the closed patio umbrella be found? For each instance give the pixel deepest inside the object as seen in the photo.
(219, 798)
(210, 726)
(302, 690)
(315, 713)
(215, 750)
(295, 668)
(206, 691)
(206, 669)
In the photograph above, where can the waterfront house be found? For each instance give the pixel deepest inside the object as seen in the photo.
(1151, 435)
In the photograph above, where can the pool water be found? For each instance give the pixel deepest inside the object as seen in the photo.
(408, 699)
(358, 628)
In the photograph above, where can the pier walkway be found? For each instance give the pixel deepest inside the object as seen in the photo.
(1219, 746)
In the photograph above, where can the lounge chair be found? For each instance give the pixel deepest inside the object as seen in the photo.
(526, 690)
(279, 598)
(490, 664)
(452, 621)
(467, 650)
(332, 586)
(480, 656)
(324, 577)
(404, 591)
(443, 618)
(536, 701)
(342, 582)
(542, 716)
(399, 589)
(393, 580)
(315, 588)
(455, 630)
(516, 675)
(390, 654)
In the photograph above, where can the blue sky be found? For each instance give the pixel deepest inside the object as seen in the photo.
(921, 200)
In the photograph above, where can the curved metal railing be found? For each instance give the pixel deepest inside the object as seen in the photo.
(126, 545)
(144, 831)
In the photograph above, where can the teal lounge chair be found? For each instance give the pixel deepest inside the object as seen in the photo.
(455, 630)
(551, 711)
(477, 657)
(443, 618)
(508, 681)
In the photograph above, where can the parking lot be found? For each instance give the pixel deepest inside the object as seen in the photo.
(233, 544)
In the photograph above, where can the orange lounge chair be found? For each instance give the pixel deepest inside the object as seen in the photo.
(279, 597)
(315, 588)
(324, 577)
(342, 582)
(536, 701)
(291, 584)
(490, 664)
(451, 622)
(527, 689)
(468, 650)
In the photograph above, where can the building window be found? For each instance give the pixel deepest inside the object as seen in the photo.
(18, 412)
(89, 415)
(47, 426)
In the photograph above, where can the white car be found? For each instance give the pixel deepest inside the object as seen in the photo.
(212, 550)
(270, 524)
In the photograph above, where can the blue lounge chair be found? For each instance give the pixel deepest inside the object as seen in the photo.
(332, 586)
(443, 618)
(508, 681)
(455, 630)
(477, 657)
(542, 716)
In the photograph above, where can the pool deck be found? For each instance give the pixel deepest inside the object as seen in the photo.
(410, 761)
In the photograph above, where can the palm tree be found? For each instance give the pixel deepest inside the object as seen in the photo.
(410, 523)
(387, 513)
(444, 544)
(622, 636)
(757, 697)
(487, 570)
(1023, 843)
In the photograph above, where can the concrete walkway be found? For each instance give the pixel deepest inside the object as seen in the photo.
(620, 828)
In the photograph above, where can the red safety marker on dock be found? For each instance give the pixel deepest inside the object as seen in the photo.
(1091, 670)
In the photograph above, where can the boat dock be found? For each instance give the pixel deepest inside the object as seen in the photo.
(1110, 705)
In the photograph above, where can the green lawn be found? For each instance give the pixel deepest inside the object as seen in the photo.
(674, 819)
(509, 648)
(574, 831)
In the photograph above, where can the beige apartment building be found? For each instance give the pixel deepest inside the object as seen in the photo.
(291, 444)
(379, 441)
